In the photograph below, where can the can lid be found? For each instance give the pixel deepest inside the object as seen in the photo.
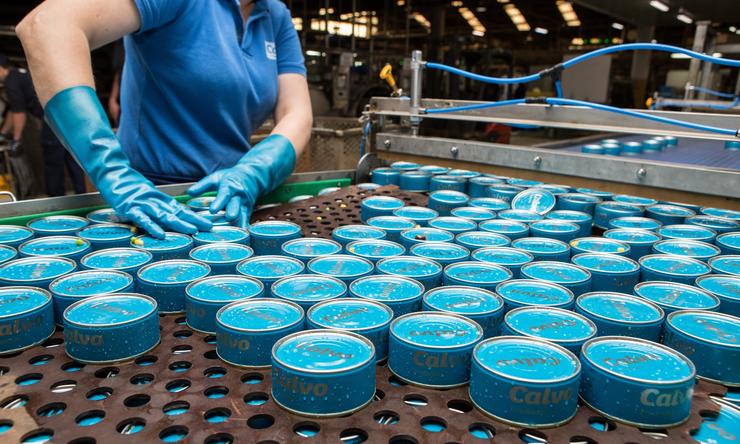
(558, 272)
(686, 231)
(116, 258)
(598, 193)
(434, 169)
(540, 245)
(415, 213)
(35, 268)
(707, 326)
(62, 223)
(600, 245)
(527, 359)
(569, 216)
(502, 256)
(467, 174)
(713, 222)
(609, 263)
(727, 287)
(15, 301)
(311, 247)
(386, 171)
(674, 265)
(172, 241)
(12, 234)
(7, 253)
(357, 232)
(731, 240)
(91, 283)
(201, 202)
(477, 273)
(638, 360)
(524, 182)
(416, 174)
(221, 253)
(309, 288)
(555, 189)
(424, 234)
(173, 271)
(340, 265)
(106, 232)
(520, 215)
(676, 296)
(414, 267)
(618, 207)
(224, 288)
(405, 166)
(222, 233)
(554, 324)
(729, 264)
(449, 196)
(386, 288)
(391, 223)
(462, 300)
(686, 247)
(453, 224)
(106, 215)
(473, 213)
(375, 248)
(580, 197)
(270, 267)
(619, 307)
(670, 210)
(218, 219)
(635, 222)
(323, 351)
(110, 310)
(632, 236)
(504, 226)
(485, 180)
(350, 314)
(440, 251)
(260, 314)
(554, 226)
(54, 246)
(489, 203)
(444, 178)
(436, 330)
(634, 200)
(382, 202)
(721, 212)
(535, 200)
(533, 292)
(276, 228)
(480, 239)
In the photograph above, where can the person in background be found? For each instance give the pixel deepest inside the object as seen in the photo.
(22, 102)
(199, 77)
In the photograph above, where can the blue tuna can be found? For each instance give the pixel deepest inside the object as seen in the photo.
(606, 211)
(473, 240)
(26, 318)
(444, 201)
(726, 289)
(14, 236)
(200, 203)
(308, 290)
(477, 186)
(619, 314)
(729, 264)
(73, 287)
(523, 216)
(729, 243)
(593, 149)
(721, 212)
(555, 229)
(385, 176)
(526, 382)
(415, 236)
(35, 271)
(393, 226)
(710, 340)
(649, 384)
(632, 149)
(434, 170)
(601, 194)
(414, 181)
(350, 233)
(519, 293)
(671, 296)
(111, 328)
(544, 249)
(635, 223)
(693, 207)
(247, 330)
(511, 258)
(665, 267)
(426, 271)
(445, 182)
(534, 200)
(307, 248)
(473, 214)
(443, 253)
(637, 201)
(583, 220)
(293, 199)
(718, 224)
(402, 166)
(129, 260)
(375, 206)
(205, 297)
(476, 274)
(686, 231)
(166, 281)
(559, 326)
(341, 266)
(419, 215)
(689, 248)
(465, 174)
(217, 219)
(556, 189)
(221, 257)
(722, 427)
(365, 317)
(107, 235)
(652, 145)
(432, 349)
(7, 253)
(402, 295)
(106, 216)
(269, 269)
(503, 192)
(509, 228)
(57, 225)
(640, 241)
(574, 278)
(609, 272)
(483, 306)
(524, 183)
(584, 203)
(56, 246)
(669, 214)
(489, 203)
(222, 233)
(599, 245)
(323, 373)
(173, 246)
(269, 236)
(375, 250)
(612, 149)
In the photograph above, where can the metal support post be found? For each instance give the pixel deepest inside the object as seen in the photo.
(700, 40)
(416, 67)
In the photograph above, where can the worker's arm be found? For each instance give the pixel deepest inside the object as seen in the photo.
(293, 114)
(57, 37)
(19, 124)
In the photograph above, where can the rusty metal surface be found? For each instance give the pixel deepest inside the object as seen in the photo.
(141, 390)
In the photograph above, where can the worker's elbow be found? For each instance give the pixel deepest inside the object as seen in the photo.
(29, 27)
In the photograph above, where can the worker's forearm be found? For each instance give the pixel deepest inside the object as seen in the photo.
(19, 123)
(296, 126)
(7, 124)
(293, 114)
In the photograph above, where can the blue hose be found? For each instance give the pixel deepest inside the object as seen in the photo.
(714, 93)
(698, 104)
(558, 88)
(481, 78)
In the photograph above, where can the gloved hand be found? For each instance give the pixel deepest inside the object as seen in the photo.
(258, 172)
(78, 120)
(16, 148)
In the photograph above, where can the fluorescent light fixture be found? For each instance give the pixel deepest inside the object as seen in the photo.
(682, 16)
(617, 26)
(568, 13)
(420, 19)
(478, 29)
(733, 29)
(542, 31)
(677, 55)
(481, 9)
(298, 23)
(578, 41)
(660, 6)
(517, 18)
(456, 4)
(717, 54)
(313, 53)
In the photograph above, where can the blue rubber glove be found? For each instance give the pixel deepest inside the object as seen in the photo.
(258, 172)
(78, 120)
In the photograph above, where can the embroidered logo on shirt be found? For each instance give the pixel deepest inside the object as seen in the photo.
(270, 50)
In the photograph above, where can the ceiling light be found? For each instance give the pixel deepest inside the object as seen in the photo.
(617, 26)
(420, 19)
(517, 18)
(569, 15)
(481, 9)
(717, 54)
(577, 41)
(682, 16)
(733, 29)
(678, 55)
(660, 6)
(542, 31)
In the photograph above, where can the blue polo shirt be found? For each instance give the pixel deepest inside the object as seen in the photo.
(198, 81)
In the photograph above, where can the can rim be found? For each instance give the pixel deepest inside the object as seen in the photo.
(604, 240)
(37, 258)
(707, 219)
(655, 222)
(338, 231)
(86, 258)
(313, 277)
(46, 293)
(368, 202)
(476, 263)
(723, 257)
(578, 197)
(190, 286)
(544, 240)
(409, 280)
(451, 219)
(555, 222)
(700, 279)
(524, 228)
(636, 266)
(58, 216)
(640, 230)
(409, 258)
(372, 358)
(721, 236)
(712, 233)
(471, 322)
(529, 256)
(449, 196)
(480, 210)
(130, 228)
(279, 222)
(154, 309)
(574, 213)
(498, 298)
(715, 314)
(252, 301)
(430, 212)
(221, 244)
(589, 322)
(85, 243)
(673, 256)
(459, 238)
(624, 296)
(447, 245)
(640, 285)
(243, 232)
(310, 264)
(402, 218)
(312, 239)
(525, 267)
(56, 281)
(404, 234)
(537, 282)
(171, 261)
(321, 304)
(26, 230)
(168, 233)
(658, 207)
(272, 257)
(695, 242)
(384, 242)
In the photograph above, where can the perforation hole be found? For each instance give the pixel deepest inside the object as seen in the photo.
(37, 436)
(210, 339)
(90, 418)
(219, 438)
(73, 367)
(3, 370)
(433, 424)
(142, 379)
(217, 415)
(107, 372)
(252, 378)
(353, 436)
(131, 426)
(262, 421)
(182, 334)
(146, 361)
(581, 440)
(63, 386)
(173, 434)
(178, 385)
(52, 409)
(85, 440)
(394, 381)
(40, 360)
(256, 398)
(459, 406)
(52, 342)
(386, 417)
(176, 408)
(215, 372)
(29, 379)
(99, 393)
(216, 392)
(482, 431)
(181, 320)
(655, 433)
(403, 439)
(180, 366)
(135, 401)
(210, 354)
(415, 400)
(379, 395)
(531, 436)
(602, 424)
(306, 429)
(182, 349)
(5, 425)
